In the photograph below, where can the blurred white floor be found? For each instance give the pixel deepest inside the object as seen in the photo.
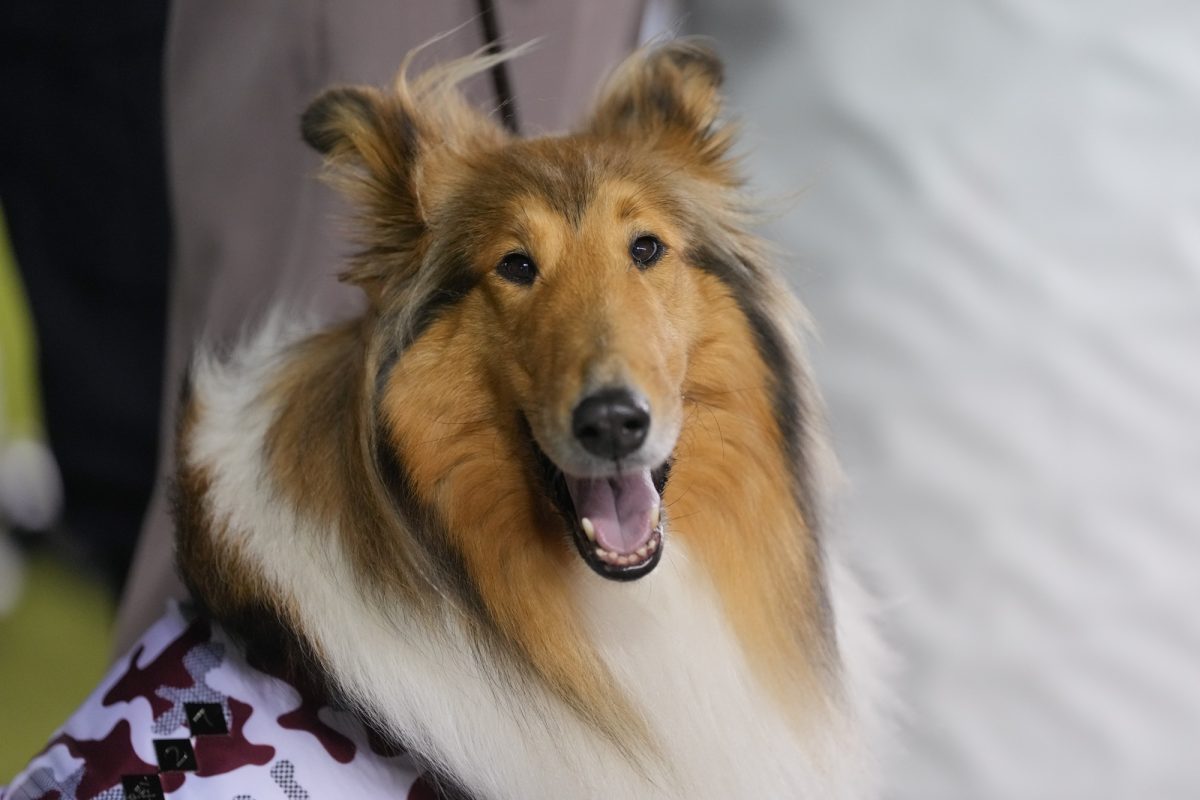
(999, 237)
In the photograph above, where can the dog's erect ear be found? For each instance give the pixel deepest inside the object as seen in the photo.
(669, 94)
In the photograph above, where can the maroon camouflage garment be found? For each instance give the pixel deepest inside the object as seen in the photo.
(184, 717)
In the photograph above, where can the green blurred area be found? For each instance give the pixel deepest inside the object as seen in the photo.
(19, 402)
(54, 645)
(54, 649)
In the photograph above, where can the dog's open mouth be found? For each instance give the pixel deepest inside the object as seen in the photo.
(621, 517)
(615, 521)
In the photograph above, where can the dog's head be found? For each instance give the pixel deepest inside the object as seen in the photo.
(569, 262)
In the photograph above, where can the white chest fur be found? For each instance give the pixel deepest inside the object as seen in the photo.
(668, 644)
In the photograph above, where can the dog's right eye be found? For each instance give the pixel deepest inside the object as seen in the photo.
(518, 268)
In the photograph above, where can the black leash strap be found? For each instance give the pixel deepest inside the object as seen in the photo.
(500, 83)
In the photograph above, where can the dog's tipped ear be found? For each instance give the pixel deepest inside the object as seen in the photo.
(326, 123)
(362, 124)
(370, 142)
(671, 88)
(393, 153)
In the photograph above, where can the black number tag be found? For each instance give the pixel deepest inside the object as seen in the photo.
(206, 719)
(175, 755)
(142, 787)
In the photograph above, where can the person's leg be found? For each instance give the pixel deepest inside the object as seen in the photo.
(254, 226)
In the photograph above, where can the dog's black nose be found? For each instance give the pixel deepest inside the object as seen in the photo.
(611, 423)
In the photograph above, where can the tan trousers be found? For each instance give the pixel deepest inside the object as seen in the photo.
(253, 227)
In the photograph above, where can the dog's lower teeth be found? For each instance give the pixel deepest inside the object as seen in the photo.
(589, 529)
(637, 557)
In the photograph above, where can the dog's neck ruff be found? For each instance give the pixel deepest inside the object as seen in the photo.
(713, 731)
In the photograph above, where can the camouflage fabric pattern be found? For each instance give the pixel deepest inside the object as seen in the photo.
(184, 717)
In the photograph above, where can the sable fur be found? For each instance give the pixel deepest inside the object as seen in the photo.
(395, 450)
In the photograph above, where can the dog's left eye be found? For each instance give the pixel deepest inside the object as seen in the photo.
(646, 251)
(518, 268)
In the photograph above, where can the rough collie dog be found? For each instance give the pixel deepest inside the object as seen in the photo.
(548, 513)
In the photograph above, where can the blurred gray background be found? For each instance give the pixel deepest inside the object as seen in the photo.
(998, 234)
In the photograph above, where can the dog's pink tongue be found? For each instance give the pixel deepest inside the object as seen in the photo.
(621, 509)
